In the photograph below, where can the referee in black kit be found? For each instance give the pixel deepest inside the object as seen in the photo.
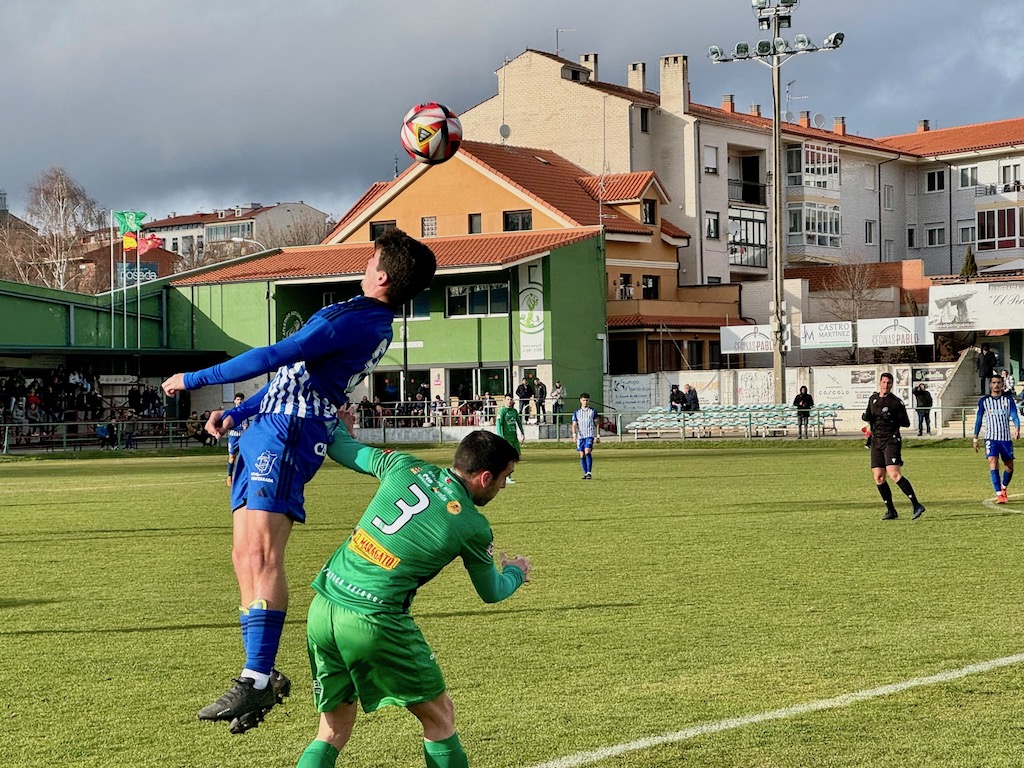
(885, 414)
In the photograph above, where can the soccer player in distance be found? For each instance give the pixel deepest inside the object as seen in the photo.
(292, 420)
(996, 411)
(885, 414)
(506, 423)
(584, 432)
(364, 645)
(234, 434)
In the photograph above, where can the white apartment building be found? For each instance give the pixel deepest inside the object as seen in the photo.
(925, 195)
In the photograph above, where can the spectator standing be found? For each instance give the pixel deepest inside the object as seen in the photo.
(540, 396)
(557, 399)
(1009, 384)
(803, 402)
(986, 367)
(923, 407)
(524, 392)
(885, 414)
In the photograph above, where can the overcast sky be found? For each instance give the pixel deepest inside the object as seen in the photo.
(182, 105)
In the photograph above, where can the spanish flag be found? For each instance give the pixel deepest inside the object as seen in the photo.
(130, 241)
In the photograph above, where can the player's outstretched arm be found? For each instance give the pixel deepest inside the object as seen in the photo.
(175, 383)
(218, 424)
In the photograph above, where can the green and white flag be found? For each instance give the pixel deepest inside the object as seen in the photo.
(129, 221)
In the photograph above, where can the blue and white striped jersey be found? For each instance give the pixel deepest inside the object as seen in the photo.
(317, 366)
(584, 420)
(996, 414)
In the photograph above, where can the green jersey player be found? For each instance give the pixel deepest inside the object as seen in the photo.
(506, 423)
(363, 644)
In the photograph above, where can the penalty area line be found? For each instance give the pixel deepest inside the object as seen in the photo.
(837, 702)
(991, 504)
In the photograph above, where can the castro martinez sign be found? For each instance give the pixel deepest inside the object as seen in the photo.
(826, 335)
(893, 332)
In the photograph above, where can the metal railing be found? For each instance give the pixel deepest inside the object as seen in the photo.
(32, 437)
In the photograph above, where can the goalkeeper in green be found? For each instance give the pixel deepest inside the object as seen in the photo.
(506, 424)
(363, 644)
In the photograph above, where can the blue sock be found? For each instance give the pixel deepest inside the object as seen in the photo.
(590, 462)
(263, 636)
(243, 620)
(1007, 476)
(994, 474)
(583, 462)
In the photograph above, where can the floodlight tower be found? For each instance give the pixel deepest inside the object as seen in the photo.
(776, 15)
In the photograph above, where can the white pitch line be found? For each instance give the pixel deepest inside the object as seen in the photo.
(845, 700)
(991, 504)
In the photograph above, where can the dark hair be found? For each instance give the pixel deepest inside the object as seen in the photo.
(408, 263)
(585, 394)
(885, 375)
(238, 395)
(481, 450)
(509, 394)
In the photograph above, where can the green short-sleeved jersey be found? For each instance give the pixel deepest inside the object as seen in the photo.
(506, 422)
(420, 519)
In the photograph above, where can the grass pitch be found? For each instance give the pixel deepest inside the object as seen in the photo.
(676, 589)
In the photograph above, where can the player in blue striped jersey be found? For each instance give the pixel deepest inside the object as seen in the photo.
(996, 411)
(292, 419)
(584, 432)
(234, 435)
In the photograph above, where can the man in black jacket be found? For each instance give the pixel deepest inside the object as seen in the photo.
(803, 402)
(923, 406)
(524, 392)
(885, 415)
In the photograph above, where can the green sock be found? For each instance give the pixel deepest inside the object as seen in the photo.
(319, 754)
(445, 754)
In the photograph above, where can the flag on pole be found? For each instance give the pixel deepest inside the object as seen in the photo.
(129, 221)
(148, 243)
(129, 241)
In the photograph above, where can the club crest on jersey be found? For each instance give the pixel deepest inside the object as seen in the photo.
(264, 465)
(453, 507)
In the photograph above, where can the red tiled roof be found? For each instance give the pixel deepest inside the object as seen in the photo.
(671, 321)
(350, 258)
(671, 230)
(206, 218)
(552, 181)
(618, 187)
(964, 138)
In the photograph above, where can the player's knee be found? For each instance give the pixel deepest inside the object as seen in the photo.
(437, 717)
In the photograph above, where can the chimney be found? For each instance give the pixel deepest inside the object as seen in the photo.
(675, 84)
(727, 103)
(636, 76)
(589, 60)
(922, 126)
(805, 120)
(839, 126)
(755, 110)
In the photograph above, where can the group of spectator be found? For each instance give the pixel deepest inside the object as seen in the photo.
(536, 392)
(33, 403)
(685, 399)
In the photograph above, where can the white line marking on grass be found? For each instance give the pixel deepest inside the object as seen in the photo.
(991, 504)
(845, 700)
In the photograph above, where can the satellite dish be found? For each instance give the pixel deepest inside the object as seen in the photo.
(818, 120)
(788, 117)
(504, 131)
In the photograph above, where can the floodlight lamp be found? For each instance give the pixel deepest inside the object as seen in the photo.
(834, 40)
(715, 53)
(785, 21)
(741, 51)
(764, 48)
(789, 4)
(764, 22)
(758, 5)
(781, 45)
(803, 43)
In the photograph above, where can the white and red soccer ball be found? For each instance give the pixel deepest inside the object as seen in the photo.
(431, 133)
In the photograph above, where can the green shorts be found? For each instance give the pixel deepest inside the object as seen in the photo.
(381, 660)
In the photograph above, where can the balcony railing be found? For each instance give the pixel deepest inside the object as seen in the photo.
(1013, 189)
(745, 255)
(747, 192)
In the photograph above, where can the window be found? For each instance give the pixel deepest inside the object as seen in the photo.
(649, 285)
(966, 231)
(869, 177)
(812, 165)
(815, 224)
(328, 298)
(475, 224)
(649, 211)
(419, 308)
(748, 237)
(911, 237)
(710, 159)
(1009, 174)
(889, 249)
(887, 197)
(712, 280)
(378, 228)
(935, 235)
(645, 120)
(188, 245)
(221, 232)
(174, 245)
(711, 225)
(428, 226)
(476, 300)
(625, 287)
(935, 181)
(969, 176)
(517, 221)
(869, 232)
(997, 229)
(695, 354)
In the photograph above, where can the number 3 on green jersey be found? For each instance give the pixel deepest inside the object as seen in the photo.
(407, 510)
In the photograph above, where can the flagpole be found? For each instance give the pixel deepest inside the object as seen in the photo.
(138, 291)
(124, 297)
(111, 278)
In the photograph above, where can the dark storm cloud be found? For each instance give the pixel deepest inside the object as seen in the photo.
(188, 104)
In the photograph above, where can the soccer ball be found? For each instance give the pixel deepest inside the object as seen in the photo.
(431, 133)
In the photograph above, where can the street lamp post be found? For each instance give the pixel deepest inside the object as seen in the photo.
(249, 240)
(776, 15)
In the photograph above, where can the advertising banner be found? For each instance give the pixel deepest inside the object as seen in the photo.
(976, 306)
(893, 332)
(826, 335)
(745, 339)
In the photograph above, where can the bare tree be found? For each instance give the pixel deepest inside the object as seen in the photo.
(48, 251)
(306, 230)
(851, 292)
